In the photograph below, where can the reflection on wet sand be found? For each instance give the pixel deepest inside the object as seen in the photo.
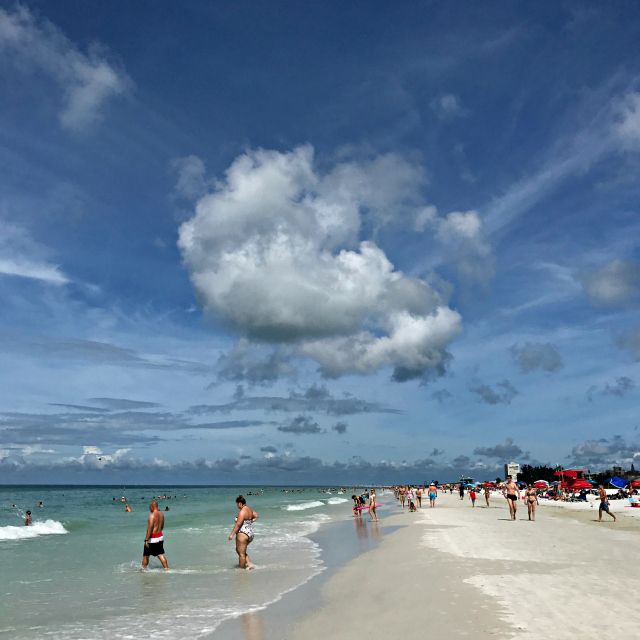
(252, 626)
(361, 528)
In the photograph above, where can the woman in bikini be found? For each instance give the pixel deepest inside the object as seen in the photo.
(243, 531)
(531, 496)
(372, 505)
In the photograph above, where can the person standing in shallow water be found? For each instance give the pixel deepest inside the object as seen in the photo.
(243, 531)
(154, 540)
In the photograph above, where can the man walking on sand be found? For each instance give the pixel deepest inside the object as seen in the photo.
(402, 492)
(604, 504)
(512, 494)
(433, 494)
(154, 540)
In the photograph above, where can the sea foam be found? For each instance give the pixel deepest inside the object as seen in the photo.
(337, 500)
(33, 531)
(312, 504)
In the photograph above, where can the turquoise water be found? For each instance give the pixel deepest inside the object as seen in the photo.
(76, 572)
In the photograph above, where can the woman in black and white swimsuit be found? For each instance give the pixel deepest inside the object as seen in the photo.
(243, 531)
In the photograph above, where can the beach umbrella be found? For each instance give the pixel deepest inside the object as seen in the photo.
(635, 483)
(540, 484)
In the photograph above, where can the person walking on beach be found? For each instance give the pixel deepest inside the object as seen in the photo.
(604, 504)
(402, 492)
(472, 497)
(487, 493)
(372, 505)
(409, 494)
(243, 531)
(531, 497)
(433, 494)
(154, 540)
(461, 491)
(27, 519)
(510, 491)
(419, 497)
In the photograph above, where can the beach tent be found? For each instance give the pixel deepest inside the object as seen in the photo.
(617, 482)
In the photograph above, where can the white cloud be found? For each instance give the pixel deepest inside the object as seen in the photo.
(275, 252)
(21, 256)
(448, 106)
(87, 81)
(91, 450)
(191, 181)
(462, 235)
(616, 284)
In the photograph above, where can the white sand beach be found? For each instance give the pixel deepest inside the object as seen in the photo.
(462, 572)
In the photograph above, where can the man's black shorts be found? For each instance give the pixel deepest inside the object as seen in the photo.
(154, 549)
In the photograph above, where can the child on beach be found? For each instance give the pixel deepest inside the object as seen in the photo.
(472, 495)
(412, 507)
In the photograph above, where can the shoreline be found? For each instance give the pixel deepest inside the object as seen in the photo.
(462, 572)
(339, 545)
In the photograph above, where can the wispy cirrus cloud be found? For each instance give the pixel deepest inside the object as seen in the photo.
(88, 81)
(76, 349)
(21, 256)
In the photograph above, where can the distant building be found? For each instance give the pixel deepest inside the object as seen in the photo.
(632, 474)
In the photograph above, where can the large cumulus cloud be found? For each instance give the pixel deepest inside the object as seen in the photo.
(277, 253)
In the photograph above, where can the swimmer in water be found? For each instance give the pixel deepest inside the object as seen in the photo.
(27, 519)
(40, 504)
(127, 508)
(167, 509)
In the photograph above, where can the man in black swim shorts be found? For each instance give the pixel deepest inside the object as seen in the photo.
(512, 494)
(154, 541)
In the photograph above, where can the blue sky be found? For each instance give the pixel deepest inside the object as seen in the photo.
(293, 243)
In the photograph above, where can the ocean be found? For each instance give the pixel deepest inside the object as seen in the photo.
(75, 573)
